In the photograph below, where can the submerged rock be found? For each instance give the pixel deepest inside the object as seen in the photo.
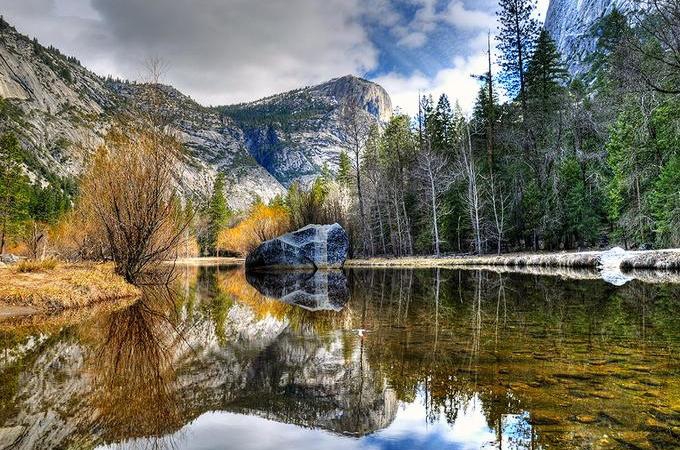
(320, 290)
(311, 247)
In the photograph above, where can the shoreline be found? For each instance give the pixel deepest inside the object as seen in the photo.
(65, 286)
(668, 259)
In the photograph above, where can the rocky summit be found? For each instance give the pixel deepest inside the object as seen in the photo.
(61, 112)
(312, 247)
(294, 134)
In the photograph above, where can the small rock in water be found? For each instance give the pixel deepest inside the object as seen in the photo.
(311, 247)
(586, 419)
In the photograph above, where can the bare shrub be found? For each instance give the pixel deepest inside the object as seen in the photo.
(128, 193)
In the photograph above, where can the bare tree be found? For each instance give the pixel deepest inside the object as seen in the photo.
(472, 198)
(434, 178)
(500, 203)
(35, 239)
(128, 191)
(356, 129)
(659, 22)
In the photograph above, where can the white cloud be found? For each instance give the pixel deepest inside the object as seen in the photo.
(456, 81)
(413, 40)
(459, 16)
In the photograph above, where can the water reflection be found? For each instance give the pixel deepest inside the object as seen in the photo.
(314, 291)
(413, 359)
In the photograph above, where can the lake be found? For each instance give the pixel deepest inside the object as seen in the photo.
(365, 359)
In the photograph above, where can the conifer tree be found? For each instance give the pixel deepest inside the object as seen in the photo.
(14, 188)
(516, 37)
(545, 76)
(344, 176)
(218, 213)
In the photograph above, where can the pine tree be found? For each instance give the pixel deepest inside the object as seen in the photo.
(14, 188)
(516, 37)
(545, 76)
(344, 176)
(218, 213)
(440, 126)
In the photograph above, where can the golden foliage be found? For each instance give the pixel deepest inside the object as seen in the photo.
(262, 223)
(128, 193)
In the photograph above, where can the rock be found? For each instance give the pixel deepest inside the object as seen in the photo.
(312, 247)
(315, 291)
(609, 265)
(544, 418)
(586, 419)
(570, 25)
(9, 258)
(10, 435)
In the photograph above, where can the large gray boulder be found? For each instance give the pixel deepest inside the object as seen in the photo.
(311, 247)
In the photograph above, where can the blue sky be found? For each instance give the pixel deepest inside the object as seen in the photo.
(227, 51)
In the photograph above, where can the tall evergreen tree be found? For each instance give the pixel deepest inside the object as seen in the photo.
(516, 37)
(344, 176)
(440, 126)
(218, 214)
(14, 188)
(545, 76)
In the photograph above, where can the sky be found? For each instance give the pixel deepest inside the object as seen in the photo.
(230, 51)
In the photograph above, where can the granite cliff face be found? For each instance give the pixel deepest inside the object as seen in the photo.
(570, 23)
(294, 134)
(61, 112)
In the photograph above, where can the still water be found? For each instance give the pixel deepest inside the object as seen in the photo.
(365, 359)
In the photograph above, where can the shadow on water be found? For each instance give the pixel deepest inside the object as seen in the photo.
(364, 359)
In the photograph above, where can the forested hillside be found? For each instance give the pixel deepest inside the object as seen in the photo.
(548, 160)
(571, 160)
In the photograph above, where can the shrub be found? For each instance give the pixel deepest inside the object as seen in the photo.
(33, 265)
(262, 223)
(128, 192)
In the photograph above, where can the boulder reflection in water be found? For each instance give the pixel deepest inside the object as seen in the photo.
(315, 291)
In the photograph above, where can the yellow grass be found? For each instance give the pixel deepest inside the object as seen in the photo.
(565, 259)
(31, 265)
(668, 259)
(60, 287)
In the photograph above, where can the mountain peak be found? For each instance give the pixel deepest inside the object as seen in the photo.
(369, 95)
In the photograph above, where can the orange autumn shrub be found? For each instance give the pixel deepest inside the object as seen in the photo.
(262, 223)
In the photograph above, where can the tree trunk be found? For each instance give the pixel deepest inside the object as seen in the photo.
(433, 192)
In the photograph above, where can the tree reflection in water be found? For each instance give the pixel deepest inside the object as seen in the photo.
(132, 371)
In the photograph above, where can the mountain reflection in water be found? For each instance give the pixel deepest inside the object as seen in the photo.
(373, 359)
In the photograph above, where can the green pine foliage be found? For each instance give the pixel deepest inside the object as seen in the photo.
(516, 39)
(217, 214)
(14, 189)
